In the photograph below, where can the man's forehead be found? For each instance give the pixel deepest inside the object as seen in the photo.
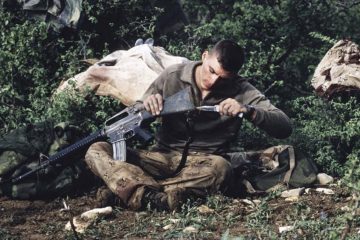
(219, 70)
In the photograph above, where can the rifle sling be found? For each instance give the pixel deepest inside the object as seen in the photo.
(190, 131)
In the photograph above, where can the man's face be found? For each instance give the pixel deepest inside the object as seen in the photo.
(212, 72)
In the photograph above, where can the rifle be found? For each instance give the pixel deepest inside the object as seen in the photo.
(119, 128)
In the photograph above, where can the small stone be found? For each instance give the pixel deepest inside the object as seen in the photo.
(169, 226)
(292, 199)
(307, 190)
(174, 220)
(82, 222)
(345, 209)
(326, 191)
(348, 199)
(285, 229)
(205, 209)
(324, 179)
(357, 212)
(190, 229)
(79, 225)
(139, 215)
(293, 192)
(248, 202)
(96, 212)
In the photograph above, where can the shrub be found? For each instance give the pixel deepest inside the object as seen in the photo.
(328, 131)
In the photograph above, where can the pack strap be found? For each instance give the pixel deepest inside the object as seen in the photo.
(291, 164)
(249, 187)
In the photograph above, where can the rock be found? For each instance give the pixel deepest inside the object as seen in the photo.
(174, 220)
(307, 190)
(96, 212)
(82, 222)
(169, 226)
(345, 209)
(293, 192)
(141, 214)
(324, 179)
(325, 190)
(248, 202)
(285, 229)
(205, 209)
(292, 199)
(190, 229)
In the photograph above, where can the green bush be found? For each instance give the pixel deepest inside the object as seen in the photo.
(328, 130)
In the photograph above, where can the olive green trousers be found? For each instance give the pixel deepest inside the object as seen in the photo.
(203, 173)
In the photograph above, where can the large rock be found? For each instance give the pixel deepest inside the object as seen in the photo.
(339, 70)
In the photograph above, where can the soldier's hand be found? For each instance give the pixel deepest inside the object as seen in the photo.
(231, 107)
(154, 104)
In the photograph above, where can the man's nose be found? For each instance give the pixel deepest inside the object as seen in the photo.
(214, 78)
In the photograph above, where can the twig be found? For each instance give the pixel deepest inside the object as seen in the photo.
(73, 228)
(271, 86)
(298, 90)
(346, 230)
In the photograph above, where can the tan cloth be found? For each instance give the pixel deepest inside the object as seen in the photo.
(339, 70)
(125, 74)
(203, 173)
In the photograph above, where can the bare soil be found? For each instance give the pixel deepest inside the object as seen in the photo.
(46, 219)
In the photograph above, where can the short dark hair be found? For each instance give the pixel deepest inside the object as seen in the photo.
(229, 54)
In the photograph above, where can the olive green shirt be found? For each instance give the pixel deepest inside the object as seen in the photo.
(213, 132)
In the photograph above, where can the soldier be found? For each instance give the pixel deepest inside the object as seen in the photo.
(146, 178)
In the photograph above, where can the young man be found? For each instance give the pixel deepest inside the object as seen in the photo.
(214, 81)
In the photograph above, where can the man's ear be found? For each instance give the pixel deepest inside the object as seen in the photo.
(204, 55)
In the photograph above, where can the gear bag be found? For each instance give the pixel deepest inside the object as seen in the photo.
(264, 170)
(23, 149)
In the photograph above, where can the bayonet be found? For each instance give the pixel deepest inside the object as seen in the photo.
(214, 108)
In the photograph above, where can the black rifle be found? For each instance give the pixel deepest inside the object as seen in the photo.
(119, 128)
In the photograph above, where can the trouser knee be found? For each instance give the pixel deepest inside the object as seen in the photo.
(222, 172)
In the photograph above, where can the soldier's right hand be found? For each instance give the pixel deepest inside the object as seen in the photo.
(154, 104)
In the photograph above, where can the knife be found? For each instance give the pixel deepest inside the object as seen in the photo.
(214, 108)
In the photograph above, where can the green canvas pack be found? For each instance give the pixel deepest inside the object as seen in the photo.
(23, 149)
(281, 165)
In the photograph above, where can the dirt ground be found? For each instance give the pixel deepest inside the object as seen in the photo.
(235, 217)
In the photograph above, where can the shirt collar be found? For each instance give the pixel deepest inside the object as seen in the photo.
(189, 70)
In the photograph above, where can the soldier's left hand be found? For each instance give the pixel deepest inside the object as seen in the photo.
(231, 107)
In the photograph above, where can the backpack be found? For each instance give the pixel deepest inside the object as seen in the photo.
(23, 149)
(265, 170)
